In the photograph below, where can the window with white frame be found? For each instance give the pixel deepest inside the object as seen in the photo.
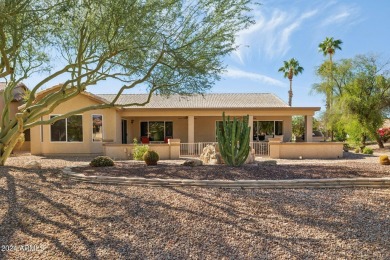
(97, 128)
(263, 129)
(67, 130)
(157, 130)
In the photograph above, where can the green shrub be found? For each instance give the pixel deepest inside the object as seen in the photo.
(367, 150)
(384, 160)
(357, 150)
(151, 158)
(101, 161)
(139, 150)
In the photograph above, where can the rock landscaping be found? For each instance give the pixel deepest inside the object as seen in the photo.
(263, 170)
(44, 216)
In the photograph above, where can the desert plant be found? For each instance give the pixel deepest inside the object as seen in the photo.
(384, 134)
(139, 150)
(357, 150)
(384, 160)
(367, 150)
(151, 158)
(101, 161)
(233, 140)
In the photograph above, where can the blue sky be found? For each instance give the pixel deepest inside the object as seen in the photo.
(287, 29)
(293, 29)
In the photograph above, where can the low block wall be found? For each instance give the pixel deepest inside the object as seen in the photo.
(166, 151)
(308, 150)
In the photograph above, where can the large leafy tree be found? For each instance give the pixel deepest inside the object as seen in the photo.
(167, 46)
(366, 99)
(290, 69)
(361, 97)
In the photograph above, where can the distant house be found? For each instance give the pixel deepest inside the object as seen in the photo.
(17, 93)
(17, 100)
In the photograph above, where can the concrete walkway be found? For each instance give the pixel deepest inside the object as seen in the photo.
(248, 184)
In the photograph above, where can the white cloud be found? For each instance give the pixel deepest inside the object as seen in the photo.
(271, 35)
(236, 74)
(343, 14)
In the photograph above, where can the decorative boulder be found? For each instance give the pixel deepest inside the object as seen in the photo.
(210, 155)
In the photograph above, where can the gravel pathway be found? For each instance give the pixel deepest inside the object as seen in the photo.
(61, 219)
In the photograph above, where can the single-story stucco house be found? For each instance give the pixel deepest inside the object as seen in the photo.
(174, 126)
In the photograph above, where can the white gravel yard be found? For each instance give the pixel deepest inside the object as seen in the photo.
(43, 216)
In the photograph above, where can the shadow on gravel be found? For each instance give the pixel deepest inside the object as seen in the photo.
(20, 217)
(359, 226)
(86, 221)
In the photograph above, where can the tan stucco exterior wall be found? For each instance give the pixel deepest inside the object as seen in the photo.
(111, 128)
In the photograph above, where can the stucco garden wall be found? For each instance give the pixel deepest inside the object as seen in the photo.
(306, 150)
(169, 151)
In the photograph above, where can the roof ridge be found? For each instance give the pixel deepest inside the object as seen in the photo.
(230, 93)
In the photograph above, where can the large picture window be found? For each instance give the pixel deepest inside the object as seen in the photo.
(157, 130)
(262, 130)
(67, 130)
(97, 128)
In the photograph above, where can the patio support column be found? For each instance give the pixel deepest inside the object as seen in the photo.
(250, 123)
(191, 129)
(308, 128)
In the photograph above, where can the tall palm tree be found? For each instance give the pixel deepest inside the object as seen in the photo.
(328, 47)
(290, 69)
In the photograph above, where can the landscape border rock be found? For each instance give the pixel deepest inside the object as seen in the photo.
(247, 184)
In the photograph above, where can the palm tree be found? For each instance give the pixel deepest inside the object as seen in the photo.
(328, 47)
(290, 69)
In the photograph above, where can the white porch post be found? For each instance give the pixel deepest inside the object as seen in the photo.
(191, 129)
(250, 123)
(308, 128)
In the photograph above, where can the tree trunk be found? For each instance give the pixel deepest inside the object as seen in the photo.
(5, 152)
(290, 94)
(379, 141)
(8, 143)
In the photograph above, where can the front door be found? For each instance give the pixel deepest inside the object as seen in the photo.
(124, 131)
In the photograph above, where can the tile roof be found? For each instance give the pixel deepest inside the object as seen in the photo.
(219, 100)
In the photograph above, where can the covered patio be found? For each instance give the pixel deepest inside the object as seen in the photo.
(197, 129)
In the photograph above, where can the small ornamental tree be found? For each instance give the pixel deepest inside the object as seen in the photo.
(233, 140)
(384, 134)
(164, 46)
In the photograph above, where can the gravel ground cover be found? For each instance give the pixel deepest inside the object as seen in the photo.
(43, 216)
(351, 166)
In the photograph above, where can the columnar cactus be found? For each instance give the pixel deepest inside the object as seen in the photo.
(233, 140)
